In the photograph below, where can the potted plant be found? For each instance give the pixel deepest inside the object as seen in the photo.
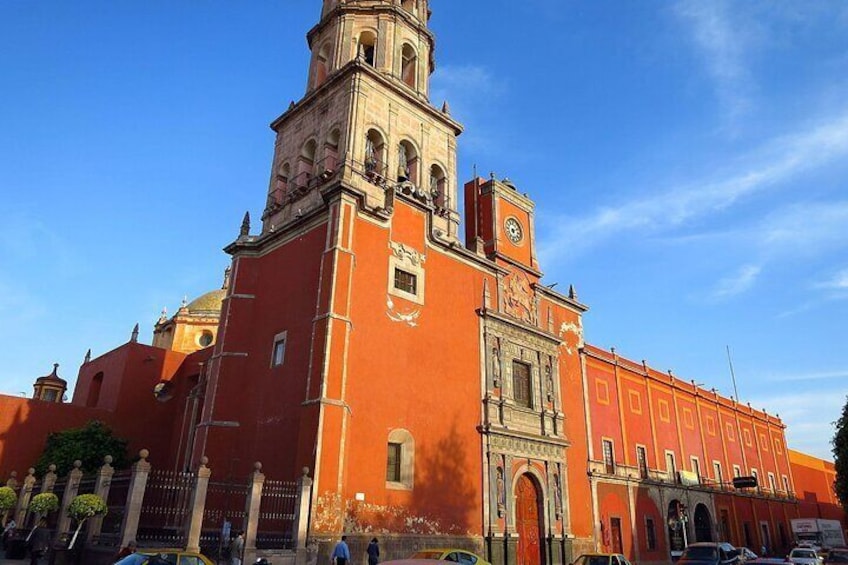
(8, 499)
(43, 504)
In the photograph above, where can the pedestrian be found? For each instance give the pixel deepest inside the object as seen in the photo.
(341, 553)
(373, 552)
(129, 549)
(9, 532)
(39, 542)
(236, 548)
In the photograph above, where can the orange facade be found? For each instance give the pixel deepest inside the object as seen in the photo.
(434, 388)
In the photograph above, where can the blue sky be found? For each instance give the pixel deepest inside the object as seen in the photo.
(689, 161)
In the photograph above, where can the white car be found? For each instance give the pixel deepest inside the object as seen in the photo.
(804, 556)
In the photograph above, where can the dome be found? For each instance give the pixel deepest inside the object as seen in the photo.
(52, 377)
(209, 302)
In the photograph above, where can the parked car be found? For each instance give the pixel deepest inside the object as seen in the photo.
(165, 557)
(746, 554)
(454, 555)
(601, 559)
(710, 553)
(837, 555)
(804, 556)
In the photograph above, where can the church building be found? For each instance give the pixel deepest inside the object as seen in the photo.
(410, 357)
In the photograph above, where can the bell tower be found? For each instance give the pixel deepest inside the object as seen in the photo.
(366, 120)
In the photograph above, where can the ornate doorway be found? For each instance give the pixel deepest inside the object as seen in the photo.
(528, 522)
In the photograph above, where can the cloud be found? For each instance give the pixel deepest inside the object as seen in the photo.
(723, 45)
(736, 284)
(775, 162)
(839, 281)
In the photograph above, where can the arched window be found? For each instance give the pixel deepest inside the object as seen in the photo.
(375, 154)
(367, 47)
(408, 65)
(400, 460)
(305, 164)
(281, 182)
(94, 390)
(322, 65)
(331, 152)
(407, 163)
(438, 186)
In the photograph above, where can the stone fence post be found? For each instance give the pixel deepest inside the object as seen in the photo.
(198, 505)
(13, 481)
(251, 512)
(301, 512)
(49, 481)
(101, 489)
(71, 489)
(24, 497)
(135, 498)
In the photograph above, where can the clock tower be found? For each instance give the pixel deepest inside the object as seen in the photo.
(501, 220)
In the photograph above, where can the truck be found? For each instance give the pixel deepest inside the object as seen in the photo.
(824, 534)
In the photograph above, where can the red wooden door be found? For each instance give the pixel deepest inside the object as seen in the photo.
(527, 522)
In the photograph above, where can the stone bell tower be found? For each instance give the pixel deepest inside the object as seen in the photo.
(366, 119)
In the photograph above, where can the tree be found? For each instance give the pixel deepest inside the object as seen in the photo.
(840, 457)
(8, 500)
(89, 444)
(43, 504)
(82, 508)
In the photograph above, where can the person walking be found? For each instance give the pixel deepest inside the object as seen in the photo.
(237, 548)
(341, 553)
(373, 552)
(39, 542)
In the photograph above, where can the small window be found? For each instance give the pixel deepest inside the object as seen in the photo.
(737, 471)
(786, 483)
(642, 461)
(609, 457)
(772, 485)
(205, 338)
(405, 281)
(50, 395)
(696, 466)
(670, 466)
(717, 470)
(278, 353)
(650, 534)
(393, 463)
(521, 389)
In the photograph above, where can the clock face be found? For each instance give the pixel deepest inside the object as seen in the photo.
(513, 230)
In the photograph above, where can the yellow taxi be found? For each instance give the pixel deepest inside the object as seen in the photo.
(165, 557)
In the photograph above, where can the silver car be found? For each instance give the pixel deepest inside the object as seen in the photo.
(804, 556)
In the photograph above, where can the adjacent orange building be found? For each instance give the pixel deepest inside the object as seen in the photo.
(438, 392)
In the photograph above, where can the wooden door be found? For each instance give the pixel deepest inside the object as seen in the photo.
(528, 522)
(615, 534)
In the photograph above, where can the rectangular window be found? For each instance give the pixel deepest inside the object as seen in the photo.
(696, 466)
(278, 352)
(670, 467)
(609, 457)
(521, 390)
(393, 463)
(717, 470)
(772, 485)
(405, 281)
(737, 471)
(650, 534)
(786, 484)
(642, 461)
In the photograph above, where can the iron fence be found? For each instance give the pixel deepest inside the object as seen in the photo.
(166, 508)
(110, 529)
(277, 515)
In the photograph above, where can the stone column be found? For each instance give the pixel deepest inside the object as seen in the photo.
(49, 481)
(251, 512)
(135, 498)
(198, 504)
(301, 517)
(24, 497)
(71, 489)
(101, 489)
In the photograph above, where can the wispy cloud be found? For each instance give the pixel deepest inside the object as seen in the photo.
(723, 45)
(737, 283)
(775, 162)
(839, 281)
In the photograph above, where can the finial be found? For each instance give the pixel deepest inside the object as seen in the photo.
(245, 225)
(227, 273)
(108, 460)
(305, 471)
(184, 302)
(446, 108)
(87, 356)
(30, 471)
(51, 468)
(134, 336)
(55, 369)
(77, 464)
(291, 104)
(163, 317)
(203, 461)
(257, 466)
(572, 292)
(143, 454)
